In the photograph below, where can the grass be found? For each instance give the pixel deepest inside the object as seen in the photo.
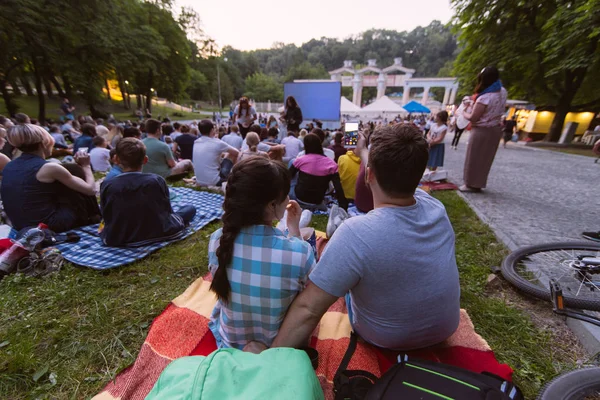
(29, 106)
(66, 336)
(572, 150)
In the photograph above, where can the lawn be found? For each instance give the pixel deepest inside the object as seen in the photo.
(29, 106)
(66, 336)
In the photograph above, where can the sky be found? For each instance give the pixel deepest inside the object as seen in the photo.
(257, 24)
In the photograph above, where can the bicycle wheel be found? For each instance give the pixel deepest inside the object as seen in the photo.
(531, 268)
(575, 385)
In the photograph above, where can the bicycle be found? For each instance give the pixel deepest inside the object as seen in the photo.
(568, 275)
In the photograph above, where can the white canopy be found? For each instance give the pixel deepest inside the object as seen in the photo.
(348, 107)
(383, 105)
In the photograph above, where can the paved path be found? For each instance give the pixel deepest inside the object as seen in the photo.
(533, 195)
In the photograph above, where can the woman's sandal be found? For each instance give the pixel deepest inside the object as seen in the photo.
(468, 189)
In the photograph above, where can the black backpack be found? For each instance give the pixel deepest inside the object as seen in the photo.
(419, 379)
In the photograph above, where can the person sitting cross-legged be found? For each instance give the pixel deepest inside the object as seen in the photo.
(396, 266)
(160, 157)
(210, 166)
(136, 206)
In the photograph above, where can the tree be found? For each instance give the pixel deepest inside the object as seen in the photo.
(262, 87)
(306, 70)
(547, 51)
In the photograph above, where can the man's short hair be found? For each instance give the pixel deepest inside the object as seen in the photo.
(398, 157)
(21, 118)
(152, 126)
(88, 129)
(133, 132)
(235, 129)
(273, 132)
(176, 125)
(131, 153)
(167, 129)
(98, 141)
(319, 132)
(339, 136)
(205, 127)
(54, 129)
(255, 128)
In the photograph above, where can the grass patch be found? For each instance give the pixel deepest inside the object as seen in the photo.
(29, 106)
(83, 326)
(573, 150)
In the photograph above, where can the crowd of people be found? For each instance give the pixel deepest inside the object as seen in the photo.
(271, 289)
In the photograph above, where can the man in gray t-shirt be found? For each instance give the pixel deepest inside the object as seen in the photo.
(397, 263)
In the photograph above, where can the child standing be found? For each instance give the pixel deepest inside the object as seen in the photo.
(100, 155)
(435, 138)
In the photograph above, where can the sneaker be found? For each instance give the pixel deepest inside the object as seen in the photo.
(337, 216)
(305, 218)
(595, 236)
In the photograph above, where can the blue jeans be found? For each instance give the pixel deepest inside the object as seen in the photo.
(187, 213)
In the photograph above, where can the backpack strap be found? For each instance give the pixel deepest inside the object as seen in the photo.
(348, 355)
(351, 384)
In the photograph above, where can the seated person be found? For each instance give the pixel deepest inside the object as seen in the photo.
(35, 191)
(349, 165)
(59, 139)
(315, 171)
(396, 266)
(116, 169)
(88, 132)
(293, 146)
(337, 146)
(253, 140)
(136, 207)
(4, 159)
(234, 138)
(160, 157)
(251, 309)
(210, 167)
(327, 152)
(100, 155)
(184, 143)
(272, 135)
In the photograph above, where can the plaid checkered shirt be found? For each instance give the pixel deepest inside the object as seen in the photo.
(266, 273)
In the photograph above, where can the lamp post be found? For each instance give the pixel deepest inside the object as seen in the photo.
(219, 84)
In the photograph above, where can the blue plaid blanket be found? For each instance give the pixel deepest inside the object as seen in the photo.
(91, 252)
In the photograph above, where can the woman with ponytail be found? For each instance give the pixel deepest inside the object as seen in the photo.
(257, 270)
(252, 139)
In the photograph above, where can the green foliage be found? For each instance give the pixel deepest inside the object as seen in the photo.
(262, 87)
(547, 51)
(306, 70)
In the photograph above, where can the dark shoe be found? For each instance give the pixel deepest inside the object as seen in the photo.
(595, 236)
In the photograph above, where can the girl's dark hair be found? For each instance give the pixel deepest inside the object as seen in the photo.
(312, 144)
(291, 100)
(253, 184)
(486, 78)
(443, 116)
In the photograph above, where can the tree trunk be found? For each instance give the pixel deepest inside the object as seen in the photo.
(68, 88)
(48, 87)
(149, 93)
(11, 106)
(40, 92)
(15, 87)
(557, 123)
(57, 85)
(122, 89)
(138, 98)
(107, 89)
(26, 85)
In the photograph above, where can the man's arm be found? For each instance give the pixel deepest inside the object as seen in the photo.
(170, 158)
(303, 316)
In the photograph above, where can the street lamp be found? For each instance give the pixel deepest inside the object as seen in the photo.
(219, 83)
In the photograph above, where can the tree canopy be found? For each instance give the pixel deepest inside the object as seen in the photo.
(547, 51)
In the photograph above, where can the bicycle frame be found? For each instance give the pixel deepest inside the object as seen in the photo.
(559, 308)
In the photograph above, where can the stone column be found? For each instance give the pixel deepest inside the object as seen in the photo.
(406, 95)
(446, 96)
(425, 95)
(381, 85)
(453, 95)
(357, 90)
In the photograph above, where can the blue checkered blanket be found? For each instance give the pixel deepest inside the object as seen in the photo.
(91, 252)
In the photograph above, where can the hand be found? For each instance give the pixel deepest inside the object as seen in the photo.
(255, 347)
(361, 144)
(82, 159)
(294, 212)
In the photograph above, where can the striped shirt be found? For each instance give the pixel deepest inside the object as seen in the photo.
(266, 273)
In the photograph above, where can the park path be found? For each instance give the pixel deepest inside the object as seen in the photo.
(534, 196)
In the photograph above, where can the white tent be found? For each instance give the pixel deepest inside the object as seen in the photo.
(348, 107)
(383, 106)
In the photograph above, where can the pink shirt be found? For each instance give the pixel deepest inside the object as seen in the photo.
(316, 164)
(496, 104)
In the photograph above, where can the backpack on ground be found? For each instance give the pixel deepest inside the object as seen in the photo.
(419, 379)
(231, 374)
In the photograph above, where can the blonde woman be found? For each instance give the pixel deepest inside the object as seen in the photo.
(35, 191)
(252, 139)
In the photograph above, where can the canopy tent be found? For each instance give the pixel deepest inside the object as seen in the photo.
(383, 105)
(348, 107)
(414, 107)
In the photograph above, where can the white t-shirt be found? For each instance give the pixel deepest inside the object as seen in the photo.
(100, 159)
(207, 159)
(244, 118)
(327, 152)
(437, 130)
(293, 146)
(233, 139)
(175, 134)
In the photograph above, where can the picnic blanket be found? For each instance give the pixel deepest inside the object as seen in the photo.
(91, 252)
(182, 330)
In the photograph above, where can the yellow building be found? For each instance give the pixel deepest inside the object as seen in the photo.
(539, 122)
